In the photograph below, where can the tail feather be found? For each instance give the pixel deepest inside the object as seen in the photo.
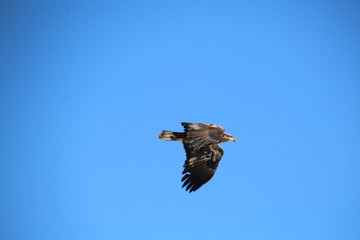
(171, 136)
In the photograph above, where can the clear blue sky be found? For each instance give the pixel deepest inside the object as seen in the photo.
(87, 86)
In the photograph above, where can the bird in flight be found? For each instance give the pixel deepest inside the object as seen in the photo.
(203, 153)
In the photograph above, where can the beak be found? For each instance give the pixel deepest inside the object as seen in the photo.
(231, 138)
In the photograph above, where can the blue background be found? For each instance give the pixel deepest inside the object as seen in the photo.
(87, 86)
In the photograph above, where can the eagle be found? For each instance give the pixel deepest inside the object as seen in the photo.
(203, 153)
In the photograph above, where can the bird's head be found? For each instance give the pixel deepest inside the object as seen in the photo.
(227, 138)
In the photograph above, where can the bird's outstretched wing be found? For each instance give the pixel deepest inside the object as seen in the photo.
(200, 135)
(200, 165)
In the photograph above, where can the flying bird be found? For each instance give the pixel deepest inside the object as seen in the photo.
(203, 153)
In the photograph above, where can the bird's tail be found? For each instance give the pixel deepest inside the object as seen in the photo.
(171, 136)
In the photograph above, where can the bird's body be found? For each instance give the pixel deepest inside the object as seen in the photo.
(203, 153)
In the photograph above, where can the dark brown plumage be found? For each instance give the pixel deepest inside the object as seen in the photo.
(203, 153)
